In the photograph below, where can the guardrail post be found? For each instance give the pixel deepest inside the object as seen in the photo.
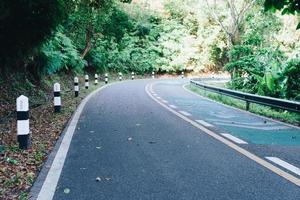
(23, 135)
(132, 75)
(120, 76)
(247, 105)
(86, 83)
(182, 74)
(153, 75)
(106, 78)
(76, 86)
(57, 98)
(96, 79)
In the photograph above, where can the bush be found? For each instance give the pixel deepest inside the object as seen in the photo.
(59, 53)
(292, 73)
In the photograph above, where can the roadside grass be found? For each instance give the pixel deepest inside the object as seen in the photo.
(278, 114)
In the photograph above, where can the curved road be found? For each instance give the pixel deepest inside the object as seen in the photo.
(149, 139)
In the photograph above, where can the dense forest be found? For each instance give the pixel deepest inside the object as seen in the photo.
(258, 46)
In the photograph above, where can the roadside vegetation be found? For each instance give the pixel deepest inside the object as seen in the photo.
(47, 41)
(278, 114)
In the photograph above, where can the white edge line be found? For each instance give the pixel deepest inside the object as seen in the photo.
(234, 139)
(285, 165)
(172, 106)
(49, 186)
(241, 110)
(239, 149)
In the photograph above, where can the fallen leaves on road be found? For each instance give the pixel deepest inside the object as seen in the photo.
(67, 190)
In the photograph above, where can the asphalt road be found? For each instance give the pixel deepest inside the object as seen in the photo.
(127, 146)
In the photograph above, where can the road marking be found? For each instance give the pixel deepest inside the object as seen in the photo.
(232, 145)
(266, 128)
(204, 123)
(158, 97)
(233, 138)
(165, 101)
(285, 165)
(185, 113)
(49, 186)
(172, 106)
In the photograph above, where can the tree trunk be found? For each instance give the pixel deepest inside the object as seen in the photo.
(88, 42)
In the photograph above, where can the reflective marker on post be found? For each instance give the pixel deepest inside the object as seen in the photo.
(106, 78)
(76, 86)
(182, 74)
(132, 75)
(86, 84)
(153, 75)
(96, 79)
(23, 135)
(57, 99)
(120, 76)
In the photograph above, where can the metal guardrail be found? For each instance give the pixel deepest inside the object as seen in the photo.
(252, 98)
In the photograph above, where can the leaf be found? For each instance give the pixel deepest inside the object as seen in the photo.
(67, 190)
(270, 81)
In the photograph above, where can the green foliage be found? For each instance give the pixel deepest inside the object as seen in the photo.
(59, 53)
(257, 66)
(292, 73)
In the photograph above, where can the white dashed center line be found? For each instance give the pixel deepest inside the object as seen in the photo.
(204, 123)
(234, 139)
(164, 101)
(185, 113)
(172, 106)
(284, 164)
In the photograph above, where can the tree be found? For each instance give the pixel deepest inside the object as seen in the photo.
(87, 21)
(236, 17)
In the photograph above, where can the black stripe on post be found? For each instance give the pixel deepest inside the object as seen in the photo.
(24, 141)
(22, 115)
(56, 94)
(76, 84)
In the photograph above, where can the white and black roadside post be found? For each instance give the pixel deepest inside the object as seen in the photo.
(132, 75)
(120, 76)
(153, 75)
(106, 78)
(76, 86)
(23, 135)
(96, 79)
(182, 74)
(57, 98)
(86, 83)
